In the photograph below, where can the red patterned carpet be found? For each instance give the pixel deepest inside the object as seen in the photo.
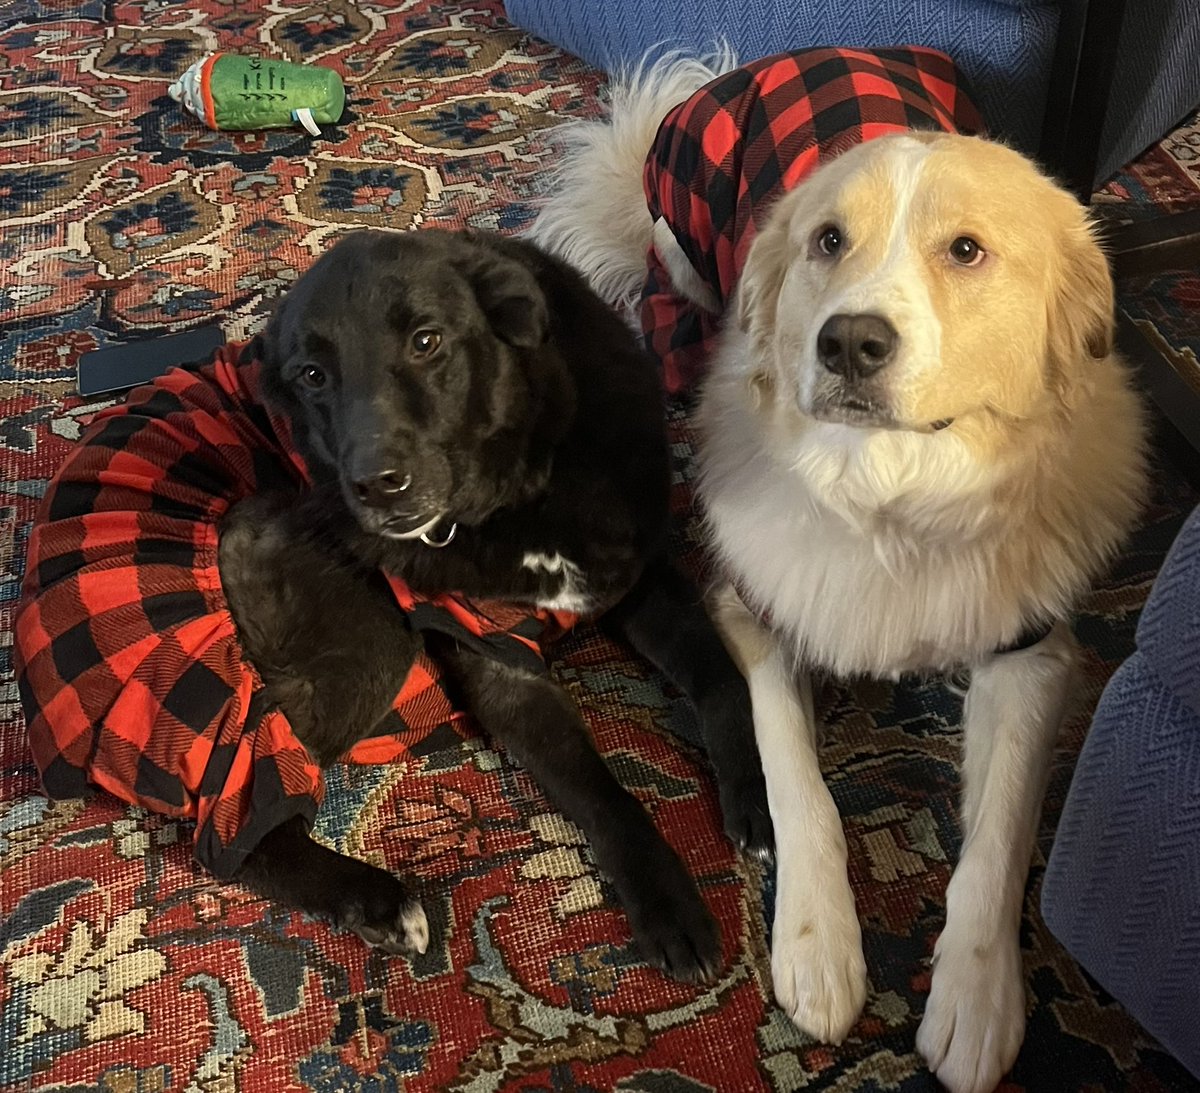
(124, 968)
(1165, 308)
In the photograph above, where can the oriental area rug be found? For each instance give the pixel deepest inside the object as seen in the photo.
(126, 969)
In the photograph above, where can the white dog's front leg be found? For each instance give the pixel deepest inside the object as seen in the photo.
(817, 966)
(975, 1017)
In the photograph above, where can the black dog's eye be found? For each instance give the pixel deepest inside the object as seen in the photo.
(829, 240)
(425, 342)
(312, 376)
(966, 252)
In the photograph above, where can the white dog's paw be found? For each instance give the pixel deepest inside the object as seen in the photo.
(975, 1018)
(818, 971)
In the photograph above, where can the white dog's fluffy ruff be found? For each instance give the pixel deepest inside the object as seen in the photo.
(896, 544)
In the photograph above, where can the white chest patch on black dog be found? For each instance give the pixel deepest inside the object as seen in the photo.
(572, 594)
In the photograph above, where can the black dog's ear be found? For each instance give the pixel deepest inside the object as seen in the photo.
(254, 350)
(266, 345)
(513, 302)
(270, 343)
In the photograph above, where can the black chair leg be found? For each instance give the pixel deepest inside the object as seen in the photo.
(1081, 79)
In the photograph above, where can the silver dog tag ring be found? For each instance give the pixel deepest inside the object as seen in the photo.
(443, 543)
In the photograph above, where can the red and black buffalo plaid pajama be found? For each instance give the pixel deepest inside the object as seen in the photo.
(128, 662)
(722, 156)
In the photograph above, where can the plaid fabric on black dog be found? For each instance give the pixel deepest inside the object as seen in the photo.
(721, 157)
(127, 659)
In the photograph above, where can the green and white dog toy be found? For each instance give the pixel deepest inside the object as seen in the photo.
(231, 91)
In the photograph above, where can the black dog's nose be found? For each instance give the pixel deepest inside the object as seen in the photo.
(378, 491)
(856, 346)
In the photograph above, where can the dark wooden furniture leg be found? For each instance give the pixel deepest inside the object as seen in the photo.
(1081, 82)
(1152, 246)
(1081, 79)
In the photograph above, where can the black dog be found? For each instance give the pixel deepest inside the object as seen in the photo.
(467, 392)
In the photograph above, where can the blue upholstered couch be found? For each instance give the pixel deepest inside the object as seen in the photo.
(1122, 889)
(1006, 48)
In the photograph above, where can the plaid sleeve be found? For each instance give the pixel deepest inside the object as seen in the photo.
(722, 156)
(128, 664)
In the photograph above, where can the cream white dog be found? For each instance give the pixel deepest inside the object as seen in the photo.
(917, 447)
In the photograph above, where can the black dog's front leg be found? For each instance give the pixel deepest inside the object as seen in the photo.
(540, 728)
(290, 868)
(333, 651)
(664, 620)
(326, 635)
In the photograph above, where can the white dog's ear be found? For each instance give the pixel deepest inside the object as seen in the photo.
(762, 277)
(1080, 309)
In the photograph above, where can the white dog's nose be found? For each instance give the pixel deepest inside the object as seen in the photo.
(856, 346)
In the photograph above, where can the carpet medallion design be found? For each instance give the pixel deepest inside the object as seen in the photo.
(125, 969)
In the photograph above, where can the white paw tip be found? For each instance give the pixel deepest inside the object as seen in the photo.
(416, 927)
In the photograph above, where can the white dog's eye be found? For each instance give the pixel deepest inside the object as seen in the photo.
(829, 240)
(426, 341)
(966, 252)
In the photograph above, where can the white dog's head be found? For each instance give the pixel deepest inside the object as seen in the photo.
(923, 279)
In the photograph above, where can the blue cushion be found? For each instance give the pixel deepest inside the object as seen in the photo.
(1168, 633)
(1157, 81)
(1004, 49)
(1122, 888)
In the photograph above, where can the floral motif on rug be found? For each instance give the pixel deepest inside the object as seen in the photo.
(1164, 307)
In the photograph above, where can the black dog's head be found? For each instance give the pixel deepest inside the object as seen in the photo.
(417, 373)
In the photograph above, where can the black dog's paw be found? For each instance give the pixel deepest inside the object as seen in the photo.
(288, 866)
(747, 815)
(733, 752)
(379, 908)
(684, 943)
(673, 928)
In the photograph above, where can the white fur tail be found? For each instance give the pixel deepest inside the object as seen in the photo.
(596, 217)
